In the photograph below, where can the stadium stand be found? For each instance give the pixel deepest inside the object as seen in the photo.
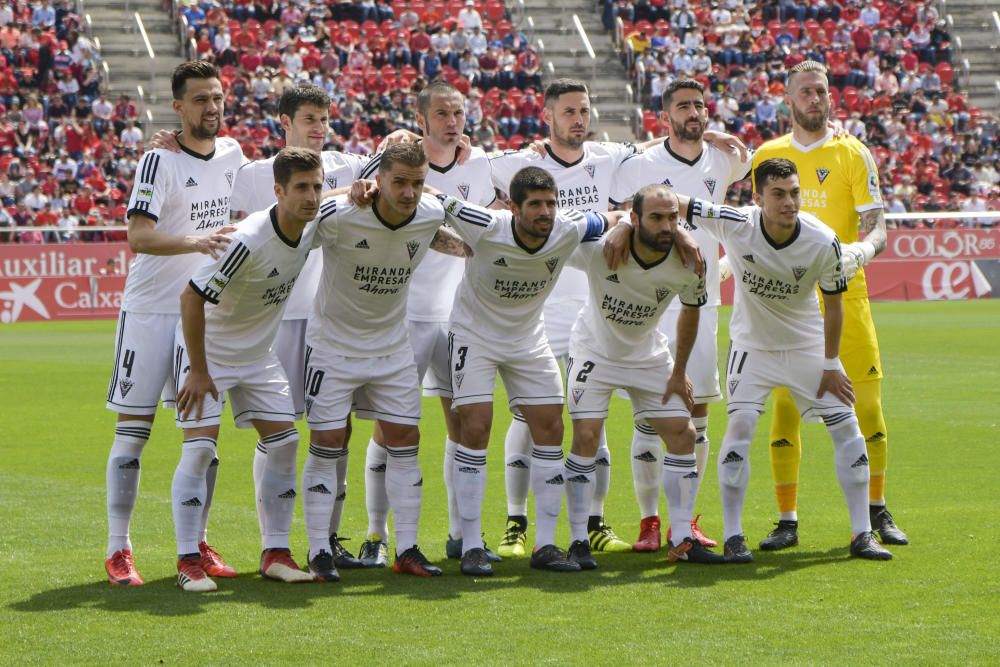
(68, 153)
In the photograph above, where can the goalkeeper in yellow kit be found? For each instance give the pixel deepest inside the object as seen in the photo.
(840, 186)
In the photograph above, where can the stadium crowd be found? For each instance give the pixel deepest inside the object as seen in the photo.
(68, 153)
(893, 84)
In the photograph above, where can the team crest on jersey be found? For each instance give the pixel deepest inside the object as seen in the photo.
(577, 395)
(732, 386)
(821, 174)
(331, 182)
(125, 386)
(229, 177)
(661, 294)
(412, 247)
(710, 184)
(798, 272)
(552, 264)
(309, 405)
(458, 380)
(590, 169)
(463, 189)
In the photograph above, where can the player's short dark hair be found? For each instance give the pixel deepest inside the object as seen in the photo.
(432, 89)
(192, 69)
(296, 97)
(528, 179)
(806, 66)
(561, 87)
(653, 189)
(292, 160)
(680, 84)
(773, 169)
(408, 155)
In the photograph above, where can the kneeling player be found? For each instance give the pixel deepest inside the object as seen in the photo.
(615, 344)
(780, 339)
(228, 350)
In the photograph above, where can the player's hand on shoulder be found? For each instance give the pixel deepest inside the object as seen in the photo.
(397, 137)
(839, 131)
(165, 139)
(616, 244)
(464, 149)
(838, 384)
(191, 397)
(689, 252)
(538, 146)
(680, 384)
(214, 244)
(728, 143)
(363, 192)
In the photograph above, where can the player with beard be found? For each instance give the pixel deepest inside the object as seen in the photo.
(840, 185)
(178, 210)
(441, 117)
(693, 167)
(584, 172)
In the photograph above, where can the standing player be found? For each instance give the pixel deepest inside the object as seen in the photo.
(584, 172)
(441, 117)
(616, 344)
(840, 185)
(357, 339)
(696, 168)
(178, 209)
(305, 114)
(779, 338)
(228, 349)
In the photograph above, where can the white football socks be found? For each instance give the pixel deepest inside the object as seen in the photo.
(277, 488)
(122, 477)
(188, 492)
(602, 478)
(647, 475)
(454, 520)
(319, 483)
(547, 483)
(579, 475)
(404, 486)
(341, 492)
(469, 479)
(376, 500)
(679, 481)
(734, 469)
(517, 473)
(853, 471)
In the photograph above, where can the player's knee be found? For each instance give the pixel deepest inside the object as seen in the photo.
(282, 438)
(679, 436)
(547, 430)
(401, 434)
(586, 438)
(331, 439)
(197, 455)
(741, 427)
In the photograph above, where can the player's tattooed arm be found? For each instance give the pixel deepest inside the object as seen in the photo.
(144, 237)
(872, 223)
(447, 242)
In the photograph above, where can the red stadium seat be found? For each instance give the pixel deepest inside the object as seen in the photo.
(793, 27)
(774, 27)
(650, 122)
(495, 10)
(946, 72)
(515, 141)
(813, 27)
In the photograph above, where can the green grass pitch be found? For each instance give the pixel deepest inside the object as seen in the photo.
(937, 602)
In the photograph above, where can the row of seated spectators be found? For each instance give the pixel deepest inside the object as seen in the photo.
(67, 152)
(892, 82)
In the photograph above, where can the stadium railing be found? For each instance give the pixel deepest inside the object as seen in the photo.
(149, 49)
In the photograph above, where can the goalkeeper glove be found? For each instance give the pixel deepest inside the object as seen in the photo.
(855, 255)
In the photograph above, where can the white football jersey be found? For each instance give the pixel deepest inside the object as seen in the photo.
(618, 323)
(775, 306)
(584, 185)
(706, 177)
(432, 288)
(254, 191)
(360, 309)
(249, 287)
(505, 285)
(187, 194)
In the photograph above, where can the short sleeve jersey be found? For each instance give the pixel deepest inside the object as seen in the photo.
(249, 287)
(360, 309)
(775, 306)
(254, 191)
(186, 194)
(619, 322)
(505, 284)
(838, 180)
(584, 185)
(432, 289)
(706, 177)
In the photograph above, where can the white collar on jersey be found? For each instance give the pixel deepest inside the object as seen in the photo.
(815, 144)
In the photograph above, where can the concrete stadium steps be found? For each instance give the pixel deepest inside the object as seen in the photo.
(553, 25)
(973, 23)
(123, 49)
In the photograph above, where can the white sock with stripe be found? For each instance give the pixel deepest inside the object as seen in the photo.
(853, 470)
(454, 520)
(188, 492)
(647, 477)
(341, 495)
(578, 472)
(376, 499)
(210, 476)
(679, 482)
(547, 483)
(277, 487)
(319, 482)
(404, 486)
(602, 477)
(701, 449)
(517, 460)
(470, 487)
(122, 478)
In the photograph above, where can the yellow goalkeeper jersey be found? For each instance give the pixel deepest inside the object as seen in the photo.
(839, 180)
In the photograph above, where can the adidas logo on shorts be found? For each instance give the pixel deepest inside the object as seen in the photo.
(363, 244)
(191, 502)
(319, 488)
(732, 457)
(290, 493)
(558, 479)
(646, 457)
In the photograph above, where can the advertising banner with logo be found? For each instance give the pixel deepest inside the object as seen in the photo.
(931, 265)
(62, 281)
